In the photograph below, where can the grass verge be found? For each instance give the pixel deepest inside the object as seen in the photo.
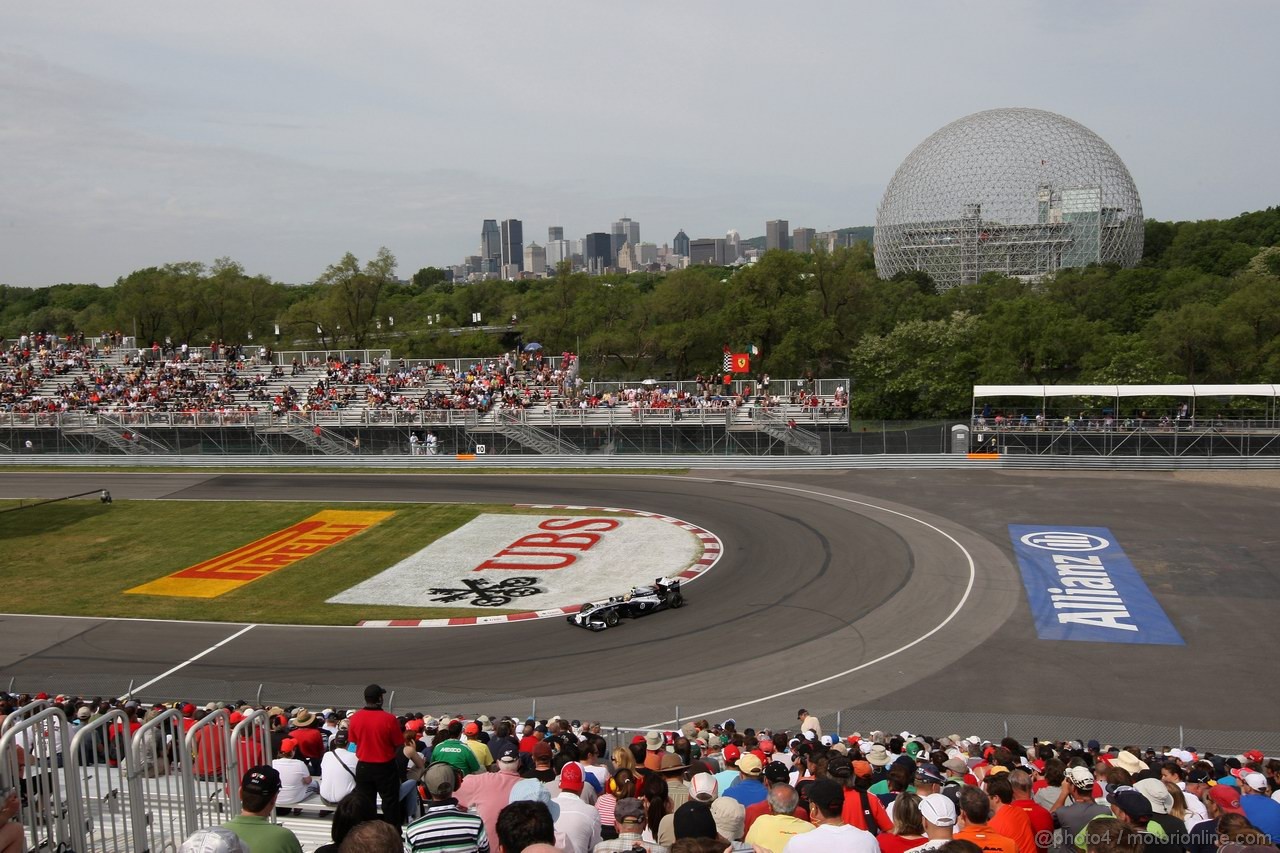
(78, 557)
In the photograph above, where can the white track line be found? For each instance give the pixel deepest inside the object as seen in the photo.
(193, 659)
(959, 605)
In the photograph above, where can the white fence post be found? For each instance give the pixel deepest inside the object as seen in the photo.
(32, 760)
(208, 743)
(250, 746)
(112, 806)
(161, 769)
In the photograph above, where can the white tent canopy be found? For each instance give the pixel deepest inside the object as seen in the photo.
(1189, 391)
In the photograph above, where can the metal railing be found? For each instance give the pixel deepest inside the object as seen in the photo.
(359, 415)
(110, 789)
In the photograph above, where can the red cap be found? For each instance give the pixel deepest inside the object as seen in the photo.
(413, 726)
(188, 709)
(1254, 755)
(766, 746)
(853, 739)
(236, 718)
(42, 696)
(1227, 798)
(571, 778)
(732, 753)
(471, 729)
(638, 739)
(288, 745)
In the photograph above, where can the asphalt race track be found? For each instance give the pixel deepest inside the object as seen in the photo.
(884, 589)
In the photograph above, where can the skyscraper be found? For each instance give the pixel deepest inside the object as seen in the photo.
(554, 233)
(802, 240)
(680, 245)
(776, 233)
(709, 250)
(597, 254)
(732, 244)
(535, 259)
(557, 251)
(513, 243)
(490, 241)
(629, 230)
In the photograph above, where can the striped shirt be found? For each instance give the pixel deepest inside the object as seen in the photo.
(445, 828)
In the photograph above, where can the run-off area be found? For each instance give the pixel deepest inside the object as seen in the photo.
(532, 562)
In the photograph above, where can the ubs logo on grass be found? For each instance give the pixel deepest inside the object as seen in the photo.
(1061, 540)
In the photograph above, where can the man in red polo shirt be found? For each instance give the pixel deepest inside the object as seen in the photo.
(1041, 820)
(377, 736)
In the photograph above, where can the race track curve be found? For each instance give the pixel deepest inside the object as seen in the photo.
(862, 589)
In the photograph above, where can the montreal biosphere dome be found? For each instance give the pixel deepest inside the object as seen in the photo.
(1021, 192)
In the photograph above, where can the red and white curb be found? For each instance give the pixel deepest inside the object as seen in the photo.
(712, 549)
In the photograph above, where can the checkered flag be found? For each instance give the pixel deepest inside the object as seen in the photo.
(728, 359)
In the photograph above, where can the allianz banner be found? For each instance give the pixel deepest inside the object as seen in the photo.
(1081, 586)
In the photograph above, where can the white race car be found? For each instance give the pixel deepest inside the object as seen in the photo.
(640, 601)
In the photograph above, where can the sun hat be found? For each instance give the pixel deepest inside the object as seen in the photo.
(440, 779)
(213, 840)
(534, 791)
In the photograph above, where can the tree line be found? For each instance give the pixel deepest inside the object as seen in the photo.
(1203, 306)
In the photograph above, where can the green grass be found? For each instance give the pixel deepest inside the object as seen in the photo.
(78, 557)
(300, 469)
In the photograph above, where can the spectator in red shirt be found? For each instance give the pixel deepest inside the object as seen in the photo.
(855, 777)
(378, 737)
(1041, 819)
(1007, 819)
(305, 730)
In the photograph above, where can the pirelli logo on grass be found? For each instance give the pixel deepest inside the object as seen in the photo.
(247, 564)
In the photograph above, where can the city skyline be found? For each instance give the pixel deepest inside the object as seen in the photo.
(140, 133)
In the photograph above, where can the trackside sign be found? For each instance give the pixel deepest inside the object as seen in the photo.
(1081, 586)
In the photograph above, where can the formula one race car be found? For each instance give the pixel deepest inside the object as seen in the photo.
(640, 601)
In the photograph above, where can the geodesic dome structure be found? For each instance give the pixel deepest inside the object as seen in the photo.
(1017, 191)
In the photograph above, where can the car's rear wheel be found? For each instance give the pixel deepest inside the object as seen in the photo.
(677, 600)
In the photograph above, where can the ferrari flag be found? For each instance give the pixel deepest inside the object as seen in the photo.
(740, 363)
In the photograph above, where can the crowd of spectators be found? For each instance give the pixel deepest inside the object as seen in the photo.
(456, 782)
(230, 379)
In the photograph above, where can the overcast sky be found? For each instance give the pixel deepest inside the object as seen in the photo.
(284, 134)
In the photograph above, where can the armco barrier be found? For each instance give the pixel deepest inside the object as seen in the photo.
(939, 461)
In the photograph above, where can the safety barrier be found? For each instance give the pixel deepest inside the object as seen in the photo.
(110, 789)
(891, 461)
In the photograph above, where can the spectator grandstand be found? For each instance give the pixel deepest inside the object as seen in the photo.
(67, 757)
(108, 391)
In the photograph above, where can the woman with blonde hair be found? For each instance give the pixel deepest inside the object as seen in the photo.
(623, 759)
(908, 825)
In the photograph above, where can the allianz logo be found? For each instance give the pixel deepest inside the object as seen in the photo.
(1062, 540)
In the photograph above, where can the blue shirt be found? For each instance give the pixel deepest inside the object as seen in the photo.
(747, 791)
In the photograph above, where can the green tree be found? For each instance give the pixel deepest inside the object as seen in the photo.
(921, 368)
(143, 305)
(354, 292)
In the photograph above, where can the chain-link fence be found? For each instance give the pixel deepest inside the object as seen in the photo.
(935, 722)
